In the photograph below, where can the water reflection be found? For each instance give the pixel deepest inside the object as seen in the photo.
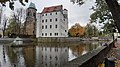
(43, 55)
(51, 55)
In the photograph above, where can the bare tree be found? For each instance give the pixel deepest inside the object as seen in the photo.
(1, 12)
(5, 19)
(19, 16)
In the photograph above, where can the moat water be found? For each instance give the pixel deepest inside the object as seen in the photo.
(44, 54)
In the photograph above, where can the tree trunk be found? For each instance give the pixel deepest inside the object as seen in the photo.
(114, 9)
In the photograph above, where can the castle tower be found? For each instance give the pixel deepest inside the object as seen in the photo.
(30, 23)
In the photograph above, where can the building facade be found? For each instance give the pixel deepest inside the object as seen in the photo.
(30, 23)
(52, 22)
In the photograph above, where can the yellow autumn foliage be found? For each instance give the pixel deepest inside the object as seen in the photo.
(77, 30)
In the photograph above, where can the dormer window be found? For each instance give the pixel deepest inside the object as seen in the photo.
(50, 13)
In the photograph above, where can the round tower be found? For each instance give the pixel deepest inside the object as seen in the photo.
(30, 23)
(31, 11)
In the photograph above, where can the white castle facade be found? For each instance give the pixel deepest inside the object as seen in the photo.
(52, 22)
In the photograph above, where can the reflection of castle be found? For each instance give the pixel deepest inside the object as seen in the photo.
(51, 56)
(29, 56)
(21, 57)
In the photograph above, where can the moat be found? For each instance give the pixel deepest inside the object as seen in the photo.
(44, 54)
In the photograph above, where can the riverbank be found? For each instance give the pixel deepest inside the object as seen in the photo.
(68, 39)
(10, 40)
(115, 53)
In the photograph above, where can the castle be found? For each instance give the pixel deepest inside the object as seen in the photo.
(51, 22)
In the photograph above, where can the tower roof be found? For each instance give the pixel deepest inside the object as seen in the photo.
(32, 5)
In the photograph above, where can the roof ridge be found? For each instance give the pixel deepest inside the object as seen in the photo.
(52, 8)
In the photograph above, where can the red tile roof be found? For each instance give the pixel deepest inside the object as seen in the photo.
(52, 8)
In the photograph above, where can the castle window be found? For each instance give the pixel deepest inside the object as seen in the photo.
(45, 34)
(42, 20)
(55, 19)
(46, 14)
(56, 13)
(42, 14)
(50, 34)
(55, 26)
(57, 34)
(56, 58)
(42, 27)
(42, 34)
(65, 31)
(50, 26)
(64, 19)
(50, 20)
(46, 20)
(45, 26)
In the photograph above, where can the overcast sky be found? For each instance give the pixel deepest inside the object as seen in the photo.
(76, 13)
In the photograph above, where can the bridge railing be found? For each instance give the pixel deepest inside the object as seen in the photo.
(91, 59)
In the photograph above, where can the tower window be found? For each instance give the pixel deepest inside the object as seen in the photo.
(34, 14)
(42, 14)
(33, 32)
(28, 13)
(46, 14)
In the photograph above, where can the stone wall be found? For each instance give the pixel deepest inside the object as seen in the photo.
(58, 39)
(91, 59)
